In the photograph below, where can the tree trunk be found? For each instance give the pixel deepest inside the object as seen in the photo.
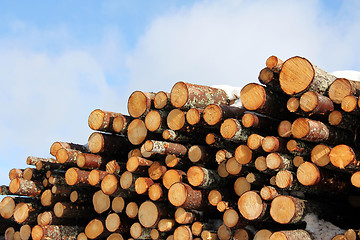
(140, 103)
(108, 144)
(162, 100)
(90, 161)
(232, 130)
(121, 123)
(214, 114)
(20, 186)
(343, 87)
(155, 121)
(161, 147)
(55, 232)
(274, 63)
(316, 104)
(182, 195)
(58, 145)
(100, 120)
(75, 176)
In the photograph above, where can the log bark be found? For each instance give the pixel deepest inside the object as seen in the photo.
(161, 147)
(55, 232)
(26, 212)
(214, 114)
(343, 120)
(316, 131)
(90, 161)
(316, 104)
(100, 120)
(272, 144)
(343, 87)
(157, 192)
(182, 195)
(162, 100)
(117, 223)
(232, 130)
(140, 103)
(138, 165)
(49, 199)
(58, 145)
(278, 161)
(173, 176)
(20, 186)
(73, 211)
(96, 176)
(186, 95)
(194, 116)
(298, 234)
(139, 232)
(299, 75)
(343, 156)
(108, 144)
(299, 148)
(67, 156)
(259, 122)
(121, 123)
(268, 193)
(96, 229)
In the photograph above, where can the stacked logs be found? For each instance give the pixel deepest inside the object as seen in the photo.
(196, 164)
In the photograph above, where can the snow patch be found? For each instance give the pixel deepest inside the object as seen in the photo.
(321, 229)
(348, 74)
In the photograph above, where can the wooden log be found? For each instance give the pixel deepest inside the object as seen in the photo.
(231, 219)
(90, 161)
(118, 204)
(82, 236)
(241, 185)
(121, 123)
(96, 229)
(150, 213)
(15, 173)
(117, 223)
(155, 121)
(204, 178)
(182, 195)
(58, 145)
(55, 232)
(49, 199)
(57, 178)
(156, 170)
(272, 144)
(7, 207)
(298, 234)
(132, 210)
(108, 144)
(257, 122)
(221, 170)
(142, 184)
(244, 155)
(176, 136)
(279, 161)
(350, 104)
(224, 233)
(232, 130)
(75, 176)
(100, 120)
(114, 236)
(20, 186)
(263, 234)
(138, 165)
(25, 232)
(110, 186)
(260, 164)
(161, 147)
(254, 142)
(268, 193)
(32, 174)
(80, 197)
(343, 156)
(274, 63)
(156, 234)
(320, 155)
(166, 225)
(251, 206)
(299, 75)
(299, 148)
(269, 78)
(33, 160)
(217, 141)
(156, 192)
(26, 212)
(63, 190)
(183, 232)
(176, 120)
(256, 179)
(188, 216)
(293, 105)
(67, 156)
(127, 181)
(139, 232)
(284, 129)
(343, 87)
(186, 95)
(201, 154)
(215, 196)
(162, 100)
(96, 176)
(9, 233)
(316, 104)
(287, 209)
(140, 103)
(234, 168)
(214, 114)
(255, 97)
(222, 155)
(194, 117)
(101, 202)
(73, 211)
(316, 131)
(298, 160)
(115, 167)
(172, 176)
(343, 120)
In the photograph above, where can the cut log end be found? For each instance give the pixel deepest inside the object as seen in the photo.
(71, 176)
(355, 179)
(243, 154)
(193, 116)
(349, 103)
(148, 214)
(284, 129)
(177, 194)
(293, 104)
(176, 119)
(96, 119)
(251, 205)
(260, 163)
(300, 128)
(214, 197)
(212, 114)
(183, 233)
(137, 104)
(137, 131)
(228, 128)
(179, 95)
(96, 142)
(249, 120)
(320, 155)
(283, 209)
(132, 210)
(252, 96)
(21, 212)
(7, 207)
(254, 141)
(241, 186)
(161, 99)
(230, 218)
(339, 89)
(94, 229)
(112, 222)
(273, 161)
(119, 123)
(153, 120)
(341, 156)
(109, 184)
(37, 233)
(195, 176)
(284, 179)
(308, 174)
(308, 101)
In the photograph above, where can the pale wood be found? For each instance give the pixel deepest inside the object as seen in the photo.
(20, 186)
(244, 155)
(137, 132)
(293, 105)
(274, 63)
(214, 114)
(90, 161)
(343, 156)
(138, 165)
(287, 209)
(350, 104)
(55, 232)
(161, 147)
(194, 116)
(132, 210)
(251, 206)
(156, 192)
(284, 129)
(223, 155)
(299, 148)
(26, 213)
(75, 176)
(343, 120)
(156, 170)
(58, 145)
(320, 155)
(71, 210)
(182, 195)
(121, 123)
(173, 176)
(268, 193)
(118, 204)
(224, 233)
(200, 154)
(316, 104)
(100, 120)
(155, 121)
(183, 233)
(139, 232)
(263, 234)
(298, 234)
(166, 225)
(142, 184)
(273, 144)
(279, 161)
(96, 229)
(162, 100)
(232, 130)
(150, 213)
(15, 173)
(139, 103)
(113, 167)
(118, 223)
(108, 144)
(101, 202)
(254, 142)
(96, 176)
(204, 178)
(25, 232)
(269, 78)
(241, 185)
(343, 87)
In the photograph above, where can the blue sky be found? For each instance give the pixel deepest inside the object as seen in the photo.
(59, 60)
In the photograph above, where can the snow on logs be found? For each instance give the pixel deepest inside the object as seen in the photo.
(193, 163)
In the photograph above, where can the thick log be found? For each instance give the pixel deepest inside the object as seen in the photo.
(343, 120)
(162, 100)
(216, 196)
(114, 236)
(241, 185)
(139, 232)
(270, 79)
(26, 212)
(150, 213)
(110, 186)
(100, 120)
(117, 223)
(194, 116)
(204, 178)
(299, 75)
(156, 170)
(224, 233)
(263, 234)
(173, 176)
(343, 156)
(244, 155)
(316, 131)
(350, 104)
(155, 121)
(96, 176)
(118, 204)
(231, 219)
(55, 232)
(214, 114)
(138, 165)
(251, 206)
(101, 202)
(75, 176)
(255, 97)
(71, 210)
(140, 103)
(127, 180)
(166, 225)
(58, 145)
(108, 144)
(49, 199)
(320, 155)
(284, 129)
(343, 87)
(279, 161)
(254, 142)
(201, 154)
(7, 206)
(132, 210)
(186, 95)
(232, 130)
(274, 63)
(90, 161)
(16, 173)
(20, 186)
(268, 193)
(182, 195)
(25, 232)
(176, 120)
(298, 234)
(183, 232)
(80, 197)
(157, 192)
(121, 123)
(96, 229)
(142, 184)
(316, 104)
(298, 160)
(287, 209)
(272, 144)
(234, 168)
(161, 147)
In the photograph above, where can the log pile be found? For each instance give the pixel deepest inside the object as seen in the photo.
(196, 164)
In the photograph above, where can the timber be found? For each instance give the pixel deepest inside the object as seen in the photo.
(343, 87)
(139, 103)
(100, 120)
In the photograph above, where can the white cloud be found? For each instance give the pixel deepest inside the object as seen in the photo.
(228, 42)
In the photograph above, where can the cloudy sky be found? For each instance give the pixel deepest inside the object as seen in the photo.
(59, 60)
